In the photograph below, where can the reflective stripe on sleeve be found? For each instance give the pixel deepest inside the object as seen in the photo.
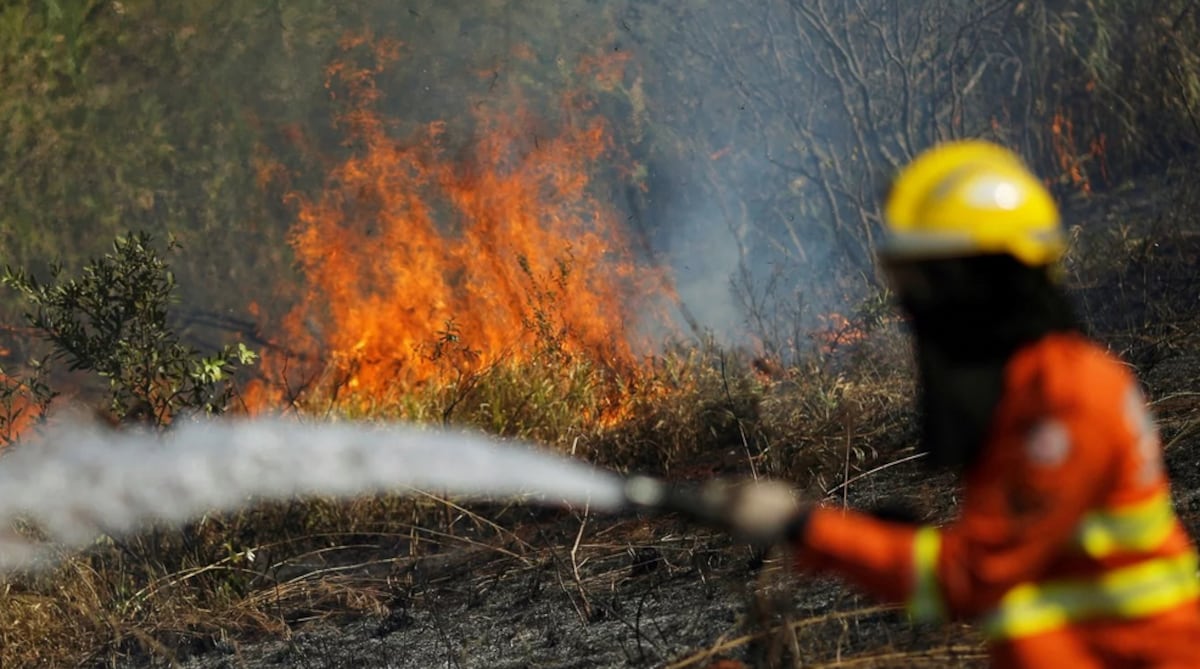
(1137, 527)
(926, 603)
(1136, 591)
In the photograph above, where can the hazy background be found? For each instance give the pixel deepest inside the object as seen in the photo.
(751, 139)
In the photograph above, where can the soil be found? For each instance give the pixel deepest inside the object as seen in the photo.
(639, 592)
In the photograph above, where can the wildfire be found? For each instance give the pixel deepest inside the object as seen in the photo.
(837, 332)
(18, 412)
(424, 264)
(1072, 162)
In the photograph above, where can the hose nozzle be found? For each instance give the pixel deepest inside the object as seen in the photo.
(762, 512)
(707, 503)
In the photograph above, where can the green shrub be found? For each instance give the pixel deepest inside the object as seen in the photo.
(112, 320)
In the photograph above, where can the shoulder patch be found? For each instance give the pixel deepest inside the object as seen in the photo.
(1048, 444)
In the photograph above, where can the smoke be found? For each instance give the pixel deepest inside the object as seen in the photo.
(778, 124)
(688, 142)
(81, 481)
(704, 258)
(747, 236)
(755, 136)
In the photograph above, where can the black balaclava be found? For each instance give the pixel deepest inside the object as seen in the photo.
(969, 316)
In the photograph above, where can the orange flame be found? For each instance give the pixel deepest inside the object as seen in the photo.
(837, 332)
(423, 265)
(1072, 162)
(18, 412)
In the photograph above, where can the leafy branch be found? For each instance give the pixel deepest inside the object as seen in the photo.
(112, 320)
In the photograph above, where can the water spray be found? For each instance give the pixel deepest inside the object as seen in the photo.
(82, 481)
(79, 482)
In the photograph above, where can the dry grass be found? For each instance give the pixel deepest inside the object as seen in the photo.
(698, 411)
(830, 419)
(694, 411)
(788, 634)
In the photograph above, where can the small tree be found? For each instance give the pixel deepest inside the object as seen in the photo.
(112, 320)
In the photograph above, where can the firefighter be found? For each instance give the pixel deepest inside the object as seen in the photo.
(1066, 551)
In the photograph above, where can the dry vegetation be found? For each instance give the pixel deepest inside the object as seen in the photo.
(823, 403)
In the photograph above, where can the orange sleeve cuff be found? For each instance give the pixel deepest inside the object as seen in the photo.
(873, 554)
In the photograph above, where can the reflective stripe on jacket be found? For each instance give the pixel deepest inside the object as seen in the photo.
(1143, 588)
(1066, 541)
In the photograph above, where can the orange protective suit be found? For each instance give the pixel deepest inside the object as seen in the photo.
(1067, 551)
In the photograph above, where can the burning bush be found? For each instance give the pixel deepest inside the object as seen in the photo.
(473, 252)
(428, 267)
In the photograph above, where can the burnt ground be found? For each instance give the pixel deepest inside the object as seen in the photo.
(555, 589)
(636, 593)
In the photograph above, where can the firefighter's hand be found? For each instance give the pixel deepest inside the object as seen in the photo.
(765, 512)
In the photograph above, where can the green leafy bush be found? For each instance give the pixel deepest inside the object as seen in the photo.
(112, 320)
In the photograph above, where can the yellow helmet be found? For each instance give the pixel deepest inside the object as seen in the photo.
(969, 198)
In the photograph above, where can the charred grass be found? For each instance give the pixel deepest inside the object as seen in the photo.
(696, 411)
(836, 420)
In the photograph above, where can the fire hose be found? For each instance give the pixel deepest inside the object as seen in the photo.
(761, 512)
(706, 503)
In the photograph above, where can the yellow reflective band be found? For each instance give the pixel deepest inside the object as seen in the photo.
(926, 605)
(1137, 527)
(1137, 591)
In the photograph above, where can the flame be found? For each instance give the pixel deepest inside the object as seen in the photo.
(1071, 161)
(423, 265)
(605, 70)
(18, 411)
(836, 332)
